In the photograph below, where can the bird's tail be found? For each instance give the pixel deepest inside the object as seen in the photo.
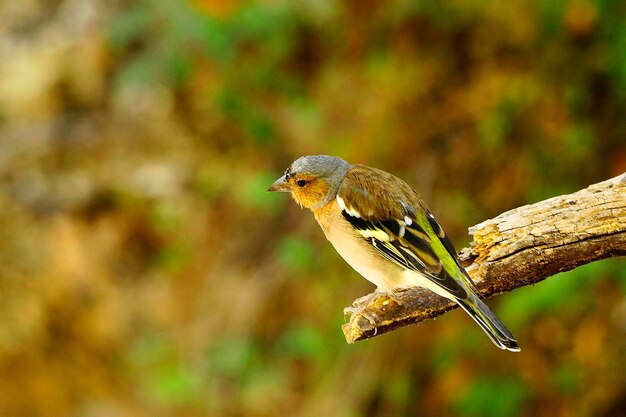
(497, 332)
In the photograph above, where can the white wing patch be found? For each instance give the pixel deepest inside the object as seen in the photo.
(375, 231)
(350, 211)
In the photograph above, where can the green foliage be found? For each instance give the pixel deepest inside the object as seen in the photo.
(233, 358)
(209, 182)
(567, 379)
(550, 17)
(302, 342)
(164, 377)
(493, 397)
(295, 252)
(567, 289)
(445, 355)
(258, 126)
(173, 257)
(251, 192)
(580, 141)
(504, 120)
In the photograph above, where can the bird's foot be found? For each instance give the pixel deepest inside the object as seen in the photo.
(393, 295)
(379, 296)
(360, 311)
(362, 307)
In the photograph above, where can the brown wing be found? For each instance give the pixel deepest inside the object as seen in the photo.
(375, 201)
(394, 220)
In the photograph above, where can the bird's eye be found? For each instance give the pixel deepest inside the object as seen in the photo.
(301, 183)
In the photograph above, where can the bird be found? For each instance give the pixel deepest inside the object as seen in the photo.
(382, 228)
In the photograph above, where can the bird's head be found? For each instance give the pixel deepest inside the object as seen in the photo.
(313, 181)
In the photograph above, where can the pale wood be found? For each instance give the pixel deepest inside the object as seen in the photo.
(517, 248)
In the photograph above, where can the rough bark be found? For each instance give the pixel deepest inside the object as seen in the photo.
(517, 248)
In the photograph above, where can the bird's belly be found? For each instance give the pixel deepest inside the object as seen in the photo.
(368, 262)
(365, 260)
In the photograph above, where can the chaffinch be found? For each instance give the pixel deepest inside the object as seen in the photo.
(383, 229)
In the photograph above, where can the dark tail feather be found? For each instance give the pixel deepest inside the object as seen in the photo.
(497, 332)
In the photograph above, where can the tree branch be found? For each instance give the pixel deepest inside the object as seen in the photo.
(517, 248)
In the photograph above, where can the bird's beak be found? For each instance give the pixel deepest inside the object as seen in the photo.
(281, 185)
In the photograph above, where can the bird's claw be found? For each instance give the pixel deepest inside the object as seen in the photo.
(360, 311)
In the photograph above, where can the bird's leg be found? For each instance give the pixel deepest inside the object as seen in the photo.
(393, 295)
(360, 311)
(359, 307)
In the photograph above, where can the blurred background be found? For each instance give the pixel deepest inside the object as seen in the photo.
(145, 270)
